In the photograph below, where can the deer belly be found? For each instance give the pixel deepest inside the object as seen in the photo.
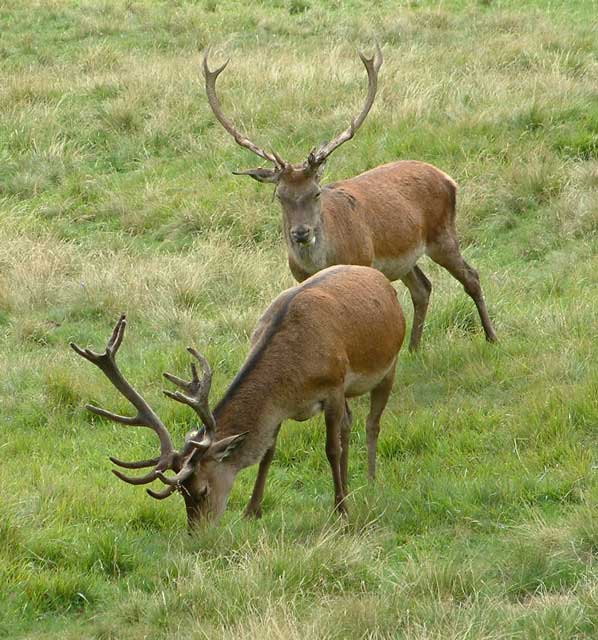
(357, 384)
(394, 267)
(307, 411)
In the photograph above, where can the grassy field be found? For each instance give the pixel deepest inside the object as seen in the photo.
(116, 194)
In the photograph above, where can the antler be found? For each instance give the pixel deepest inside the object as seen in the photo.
(182, 462)
(198, 391)
(196, 397)
(145, 417)
(211, 77)
(372, 66)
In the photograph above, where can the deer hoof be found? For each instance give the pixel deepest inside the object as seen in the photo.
(253, 512)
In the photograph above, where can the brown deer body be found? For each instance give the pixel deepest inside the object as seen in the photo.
(333, 337)
(386, 218)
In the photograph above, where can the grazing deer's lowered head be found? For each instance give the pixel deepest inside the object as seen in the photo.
(195, 480)
(387, 217)
(333, 337)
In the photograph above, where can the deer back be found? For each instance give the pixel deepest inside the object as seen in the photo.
(345, 319)
(397, 207)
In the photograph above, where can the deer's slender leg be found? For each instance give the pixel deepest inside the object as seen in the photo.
(345, 437)
(447, 255)
(254, 508)
(419, 287)
(378, 400)
(334, 414)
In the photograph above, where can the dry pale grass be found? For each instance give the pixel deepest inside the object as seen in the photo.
(45, 272)
(116, 194)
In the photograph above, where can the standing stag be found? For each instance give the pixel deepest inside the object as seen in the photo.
(386, 218)
(333, 337)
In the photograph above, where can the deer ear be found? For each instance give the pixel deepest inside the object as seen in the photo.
(222, 449)
(260, 174)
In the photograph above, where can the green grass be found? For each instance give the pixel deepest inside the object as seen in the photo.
(116, 194)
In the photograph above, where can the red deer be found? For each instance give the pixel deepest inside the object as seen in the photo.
(387, 217)
(333, 337)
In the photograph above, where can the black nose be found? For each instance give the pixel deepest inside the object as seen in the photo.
(300, 233)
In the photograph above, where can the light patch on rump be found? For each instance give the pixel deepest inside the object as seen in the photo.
(395, 267)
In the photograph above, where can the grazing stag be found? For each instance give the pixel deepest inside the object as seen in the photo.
(386, 218)
(335, 336)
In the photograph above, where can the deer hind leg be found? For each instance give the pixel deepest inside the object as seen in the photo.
(446, 253)
(378, 399)
(420, 288)
(254, 508)
(334, 414)
(345, 437)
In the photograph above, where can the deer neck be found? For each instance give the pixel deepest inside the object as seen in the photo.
(234, 415)
(247, 407)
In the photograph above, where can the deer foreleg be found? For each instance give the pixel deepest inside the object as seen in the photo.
(334, 414)
(345, 437)
(254, 508)
(378, 400)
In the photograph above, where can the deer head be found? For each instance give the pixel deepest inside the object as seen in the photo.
(297, 185)
(200, 472)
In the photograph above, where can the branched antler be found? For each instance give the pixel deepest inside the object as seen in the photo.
(372, 66)
(196, 396)
(145, 416)
(317, 156)
(240, 139)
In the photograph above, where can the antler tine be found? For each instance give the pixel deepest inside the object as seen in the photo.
(240, 139)
(141, 464)
(179, 478)
(279, 161)
(145, 416)
(372, 66)
(196, 396)
(146, 479)
(161, 495)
